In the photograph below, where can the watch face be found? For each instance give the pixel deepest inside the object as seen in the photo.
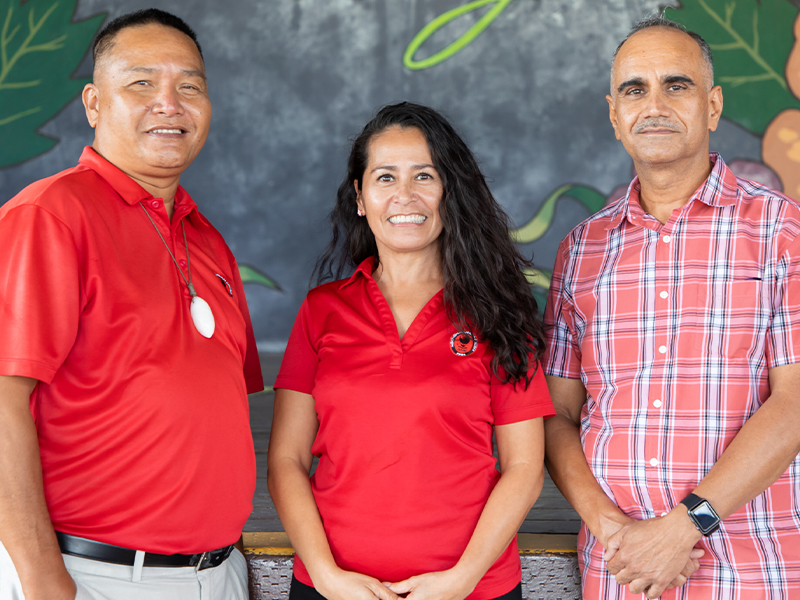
(705, 517)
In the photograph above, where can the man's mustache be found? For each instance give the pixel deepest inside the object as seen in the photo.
(656, 123)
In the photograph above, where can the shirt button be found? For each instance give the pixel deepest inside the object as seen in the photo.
(662, 349)
(182, 263)
(664, 294)
(657, 403)
(654, 462)
(155, 204)
(666, 239)
(663, 514)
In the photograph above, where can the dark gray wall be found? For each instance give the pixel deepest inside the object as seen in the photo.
(293, 80)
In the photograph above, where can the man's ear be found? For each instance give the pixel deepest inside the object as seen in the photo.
(91, 101)
(714, 107)
(612, 115)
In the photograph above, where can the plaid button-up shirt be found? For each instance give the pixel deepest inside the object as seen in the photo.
(673, 329)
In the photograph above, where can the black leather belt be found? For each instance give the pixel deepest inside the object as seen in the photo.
(84, 548)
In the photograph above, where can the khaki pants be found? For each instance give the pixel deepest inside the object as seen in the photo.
(103, 581)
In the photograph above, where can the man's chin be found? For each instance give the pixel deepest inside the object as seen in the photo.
(169, 162)
(656, 156)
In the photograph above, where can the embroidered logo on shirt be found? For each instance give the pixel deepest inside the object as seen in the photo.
(463, 343)
(227, 285)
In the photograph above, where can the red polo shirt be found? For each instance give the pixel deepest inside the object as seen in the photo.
(143, 423)
(405, 437)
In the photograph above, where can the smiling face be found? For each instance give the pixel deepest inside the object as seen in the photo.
(400, 192)
(149, 102)
(662, 105)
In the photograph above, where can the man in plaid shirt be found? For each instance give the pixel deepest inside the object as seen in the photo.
(674, 338)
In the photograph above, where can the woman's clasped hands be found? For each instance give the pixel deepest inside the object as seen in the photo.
(440, 585)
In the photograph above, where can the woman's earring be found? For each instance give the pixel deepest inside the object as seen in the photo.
(360, 213)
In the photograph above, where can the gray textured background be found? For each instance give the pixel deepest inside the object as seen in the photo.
(293, 80)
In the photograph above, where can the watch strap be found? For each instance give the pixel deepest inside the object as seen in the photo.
(705, 518)
(691, 501)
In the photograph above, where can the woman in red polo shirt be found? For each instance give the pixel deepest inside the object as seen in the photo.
(396, 377)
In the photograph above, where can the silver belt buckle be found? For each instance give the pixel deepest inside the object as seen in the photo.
(199, 564)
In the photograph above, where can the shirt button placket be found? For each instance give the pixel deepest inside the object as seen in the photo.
(663, 259)
(652, 445)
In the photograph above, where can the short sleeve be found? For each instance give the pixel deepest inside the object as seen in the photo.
(300, 361)
(512, 403)
(253, 378)
(783, 341)
(562, 356)
(40, 293)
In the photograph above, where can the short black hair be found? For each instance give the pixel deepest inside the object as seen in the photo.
(659, 20)
(105, 39)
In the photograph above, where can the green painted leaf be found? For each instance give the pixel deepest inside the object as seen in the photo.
(540, 295)
(535, 228)
(539, 277)
(751, 41)
(251, 275)
(539, 280)
(460, 43)
(39, 50)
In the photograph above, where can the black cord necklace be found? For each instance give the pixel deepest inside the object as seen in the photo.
(202, 317)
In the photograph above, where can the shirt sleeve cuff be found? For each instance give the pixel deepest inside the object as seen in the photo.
(17, 367)
(552, 371)
(294, 384)
(523, 413)
(254, 385)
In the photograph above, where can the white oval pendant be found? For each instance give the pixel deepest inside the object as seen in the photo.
(202, 316)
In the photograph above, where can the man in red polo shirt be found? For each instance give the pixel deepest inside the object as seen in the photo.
(126, 350)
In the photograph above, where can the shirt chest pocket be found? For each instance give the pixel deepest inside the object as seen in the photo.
(730, 312)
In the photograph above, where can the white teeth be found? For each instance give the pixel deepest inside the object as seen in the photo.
(166, 131)
(397, 219)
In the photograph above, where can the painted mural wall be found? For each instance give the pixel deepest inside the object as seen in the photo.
(292, 81)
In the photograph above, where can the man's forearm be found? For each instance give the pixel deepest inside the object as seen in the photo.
(761, 451)
(759, 454)
(648, 554)
(25, 527)
(570, 471)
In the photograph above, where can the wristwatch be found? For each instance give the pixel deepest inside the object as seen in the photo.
(702, 514)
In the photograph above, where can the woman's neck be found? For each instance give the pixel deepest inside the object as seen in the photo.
(409, 270)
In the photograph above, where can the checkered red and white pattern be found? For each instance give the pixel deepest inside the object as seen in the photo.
(673, 330)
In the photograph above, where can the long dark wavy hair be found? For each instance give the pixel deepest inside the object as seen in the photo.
(484, 285)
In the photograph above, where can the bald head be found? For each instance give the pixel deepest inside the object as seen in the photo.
(659, 22)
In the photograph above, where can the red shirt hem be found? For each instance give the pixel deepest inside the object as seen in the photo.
(294, 384)
(27, 368)
(517, 415)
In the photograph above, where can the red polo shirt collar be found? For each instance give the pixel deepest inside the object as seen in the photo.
(365, 269)
(133, 193)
